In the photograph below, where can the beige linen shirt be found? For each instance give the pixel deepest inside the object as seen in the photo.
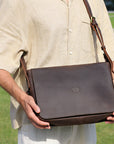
(53, 33)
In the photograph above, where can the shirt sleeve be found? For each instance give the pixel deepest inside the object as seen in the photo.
(12, 36)
(105, 26)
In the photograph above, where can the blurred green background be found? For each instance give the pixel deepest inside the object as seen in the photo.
(112, 18)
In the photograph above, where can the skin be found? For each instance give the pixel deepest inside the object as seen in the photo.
(27, 102)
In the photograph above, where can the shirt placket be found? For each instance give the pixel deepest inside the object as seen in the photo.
(67, 1)
(69, 30)
(69, 51)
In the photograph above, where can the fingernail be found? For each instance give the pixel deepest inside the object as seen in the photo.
(38, 110)
(48, 127)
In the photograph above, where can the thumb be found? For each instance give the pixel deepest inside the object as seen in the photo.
(34, 106)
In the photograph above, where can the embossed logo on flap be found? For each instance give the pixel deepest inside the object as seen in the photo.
(76, 90)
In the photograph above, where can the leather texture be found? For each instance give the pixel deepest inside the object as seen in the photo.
(73, 94)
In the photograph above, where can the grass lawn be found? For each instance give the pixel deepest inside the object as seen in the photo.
(105, 132)
(7, 134)
(112, 18)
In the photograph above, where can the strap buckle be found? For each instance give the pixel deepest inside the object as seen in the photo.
(93, 23)
(92, 19)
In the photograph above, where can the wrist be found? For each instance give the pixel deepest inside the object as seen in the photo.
(21, 96)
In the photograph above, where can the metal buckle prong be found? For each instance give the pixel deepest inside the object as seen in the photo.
(91, 19)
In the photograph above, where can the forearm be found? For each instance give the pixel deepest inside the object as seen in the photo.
(27, 102)
(8, 83)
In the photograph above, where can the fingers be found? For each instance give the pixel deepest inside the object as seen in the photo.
(110, 119)
(36, 120)
(37, 126)
(29, 105)
(33, 105)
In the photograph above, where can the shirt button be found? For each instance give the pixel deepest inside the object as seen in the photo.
(70, 52)
(70, 30)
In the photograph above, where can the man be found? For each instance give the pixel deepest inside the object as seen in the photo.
(53, 33)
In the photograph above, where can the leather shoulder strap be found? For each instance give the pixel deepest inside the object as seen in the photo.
(88, 8)
(23, 65)
(95, 27)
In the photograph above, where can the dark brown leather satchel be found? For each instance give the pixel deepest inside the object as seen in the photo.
(78, 94)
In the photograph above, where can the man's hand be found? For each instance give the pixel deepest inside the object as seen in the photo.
(27, 102)
(110, 119)
(29, 105)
